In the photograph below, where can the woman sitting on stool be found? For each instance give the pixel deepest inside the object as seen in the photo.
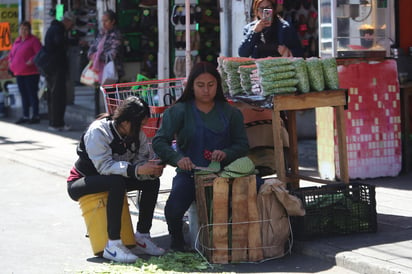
(114, 157)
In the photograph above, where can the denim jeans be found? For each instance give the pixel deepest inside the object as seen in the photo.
(28, 87)
(181, 197)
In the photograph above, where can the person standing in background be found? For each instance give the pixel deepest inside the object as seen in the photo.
(21, 64)
(269, 36)
(108, 46)
(55, 43)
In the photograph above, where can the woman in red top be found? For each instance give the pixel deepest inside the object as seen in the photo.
(21, 64)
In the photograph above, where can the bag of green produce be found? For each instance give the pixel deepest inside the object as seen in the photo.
(330, 73)
(302, 75)
(315, 74)
(231, 66)
(270, 62)
(278, 76)
(245, 82)
(291, 82)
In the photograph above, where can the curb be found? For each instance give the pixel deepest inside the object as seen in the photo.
(351, 260)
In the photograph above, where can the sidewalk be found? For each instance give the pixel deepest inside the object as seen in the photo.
(387, 251)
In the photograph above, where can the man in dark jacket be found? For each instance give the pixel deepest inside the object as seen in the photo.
(55, 44)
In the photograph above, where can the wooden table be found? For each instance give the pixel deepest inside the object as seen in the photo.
(406, 93)
(312, 100)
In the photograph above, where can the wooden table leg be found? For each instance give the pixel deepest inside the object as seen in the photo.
(293, 149)
(278, 146)
(342, 148)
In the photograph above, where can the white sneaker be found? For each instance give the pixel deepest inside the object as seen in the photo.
(119, 253)
(144, 245)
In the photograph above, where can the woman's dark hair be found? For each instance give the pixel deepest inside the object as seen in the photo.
(26, 24)
(112, 15)
(134, 110)
(200, 68)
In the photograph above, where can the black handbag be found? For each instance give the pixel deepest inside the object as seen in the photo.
(44, 62)
(10, 72)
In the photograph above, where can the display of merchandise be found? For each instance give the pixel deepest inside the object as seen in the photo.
(86, 25)
(138, 24)
(303, 15)
(81, 36)
(204, 33)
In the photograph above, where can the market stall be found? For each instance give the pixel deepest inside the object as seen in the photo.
(360, 35)
(287, 85)
(371, 126)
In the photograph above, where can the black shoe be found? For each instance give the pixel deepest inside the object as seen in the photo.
(34, 120)
(178, 247)
(22, 120)
(178, 244)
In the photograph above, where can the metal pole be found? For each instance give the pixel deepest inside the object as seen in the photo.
(187, 23)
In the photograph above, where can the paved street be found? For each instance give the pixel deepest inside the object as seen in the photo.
(42, 230)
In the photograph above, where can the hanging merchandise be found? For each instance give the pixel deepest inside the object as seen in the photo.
(85, 27)
(204, 44)
(179, 66)
(127, 5)
(138, 24)
(303, 16)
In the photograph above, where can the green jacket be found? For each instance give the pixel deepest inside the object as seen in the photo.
(178, 124)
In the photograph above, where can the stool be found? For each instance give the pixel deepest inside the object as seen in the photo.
(228, 218)
(93, 207)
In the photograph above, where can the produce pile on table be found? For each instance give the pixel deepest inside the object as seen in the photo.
(230, 66)
(277, 75)
(245, 77)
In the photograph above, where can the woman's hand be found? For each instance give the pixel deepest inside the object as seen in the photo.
(186, 164)
(284, 51)
(151, 169)
(218, 155)
(261, 24)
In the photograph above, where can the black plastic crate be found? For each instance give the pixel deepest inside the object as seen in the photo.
(335, 209)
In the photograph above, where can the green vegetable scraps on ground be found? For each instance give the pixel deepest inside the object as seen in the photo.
(173, 262)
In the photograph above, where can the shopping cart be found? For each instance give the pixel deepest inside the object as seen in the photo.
(159, 94)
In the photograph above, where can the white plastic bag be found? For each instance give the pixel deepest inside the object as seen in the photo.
(89, 77)
(109, 75)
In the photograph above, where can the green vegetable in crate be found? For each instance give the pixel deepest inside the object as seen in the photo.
(302, 75)
(243, 165)
(315, 74)
(330, 73)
